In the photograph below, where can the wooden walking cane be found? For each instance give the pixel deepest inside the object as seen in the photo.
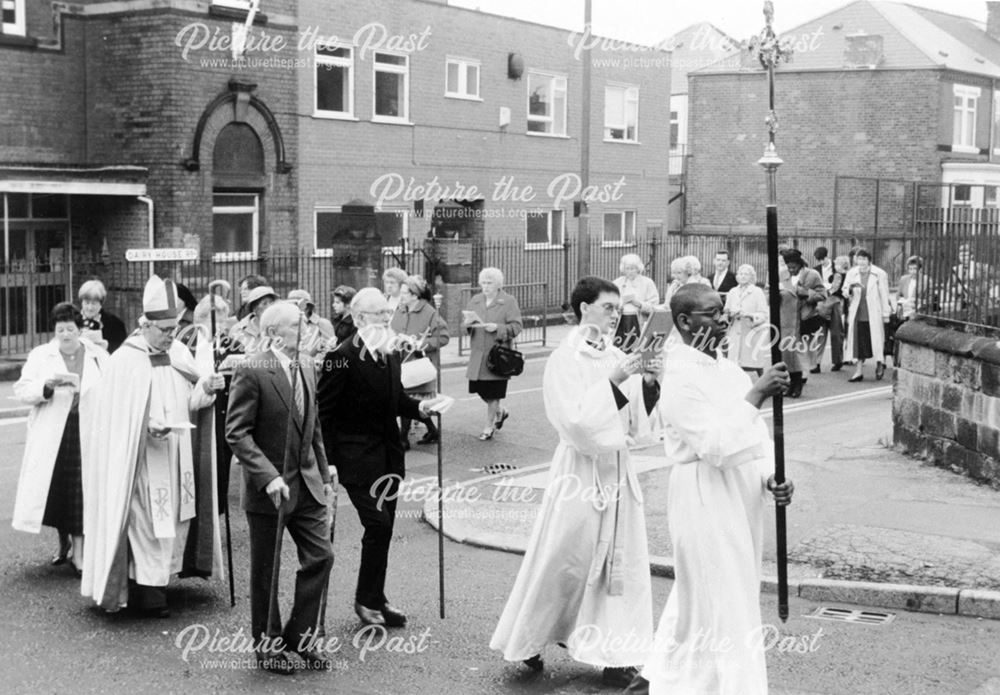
(220, 449)
(770, 51)
(272, 606)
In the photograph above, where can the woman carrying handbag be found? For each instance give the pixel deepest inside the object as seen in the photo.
(422, 333)
(492, 317)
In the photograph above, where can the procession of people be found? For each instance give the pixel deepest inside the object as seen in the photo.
(128, 454)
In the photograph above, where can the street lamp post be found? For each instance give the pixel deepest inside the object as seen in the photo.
(770, 51)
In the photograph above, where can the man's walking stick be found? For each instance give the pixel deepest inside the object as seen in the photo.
(220, 449)
(770, 51)
(272, 607)
(332, 505)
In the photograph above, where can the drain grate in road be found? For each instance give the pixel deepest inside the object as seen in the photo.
(846, 615)
(498, 468)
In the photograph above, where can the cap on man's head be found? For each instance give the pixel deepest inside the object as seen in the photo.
(160, 300)
(258, 293)
(301, 297)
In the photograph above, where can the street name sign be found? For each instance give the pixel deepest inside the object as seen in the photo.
(145, 255)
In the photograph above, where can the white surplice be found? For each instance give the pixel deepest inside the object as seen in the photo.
(584, 581)
(719, 450)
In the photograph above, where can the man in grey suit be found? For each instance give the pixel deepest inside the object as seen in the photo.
(284, 466)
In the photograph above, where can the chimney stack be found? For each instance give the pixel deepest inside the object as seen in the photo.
(993, 20)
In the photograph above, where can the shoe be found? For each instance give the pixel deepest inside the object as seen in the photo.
(836, 366)
(393, 617)
(369, 616)
(65, 551)
(856, 378)
(275, 662)
(429, 438)
(535, 663)
(879, 371)
(619, 676)
(501, 418)
(316, 661)
(815, 370)
(795, 390)
(486, 434)
(160, 612)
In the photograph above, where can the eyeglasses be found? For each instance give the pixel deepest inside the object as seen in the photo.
(715, 314)
(610, 308)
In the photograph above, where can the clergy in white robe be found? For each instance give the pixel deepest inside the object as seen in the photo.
(720, 454)
(140, 490)
(585, 580)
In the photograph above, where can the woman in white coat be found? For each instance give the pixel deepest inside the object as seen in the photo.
(749, 332)
(868, 286)
(638, 295)
(58, 380)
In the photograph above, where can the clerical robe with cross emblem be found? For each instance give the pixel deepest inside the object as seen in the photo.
(142, 489)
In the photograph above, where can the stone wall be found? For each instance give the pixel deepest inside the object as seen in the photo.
(946, 399)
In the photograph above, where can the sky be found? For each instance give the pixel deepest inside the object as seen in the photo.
(651, 21)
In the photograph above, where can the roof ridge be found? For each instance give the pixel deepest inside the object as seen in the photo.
(880, 7)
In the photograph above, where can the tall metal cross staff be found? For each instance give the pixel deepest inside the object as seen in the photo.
(770, 51)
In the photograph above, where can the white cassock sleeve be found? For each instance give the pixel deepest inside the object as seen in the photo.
(722, 438)
(643, 428)
(585, 414)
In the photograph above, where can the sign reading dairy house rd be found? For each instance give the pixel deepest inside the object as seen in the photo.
(143, 255)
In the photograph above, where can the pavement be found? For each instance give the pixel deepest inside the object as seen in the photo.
(897, 533)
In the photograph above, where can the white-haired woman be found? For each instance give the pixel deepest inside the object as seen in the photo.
(749, 335)
(497, 320)
(683, 270)
(392, 282)
(639, 295)
(96, 320)
(694, 266)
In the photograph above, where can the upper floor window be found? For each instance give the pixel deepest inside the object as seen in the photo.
(392, 87)
(12, 16)
(966, 100)
(546, 104)
(621, 113)
(335, 81)
(461, 79)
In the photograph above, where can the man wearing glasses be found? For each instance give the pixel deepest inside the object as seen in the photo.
(139, 504)
(360, 396)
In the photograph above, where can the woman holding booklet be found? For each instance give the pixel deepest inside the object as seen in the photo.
(58, 381)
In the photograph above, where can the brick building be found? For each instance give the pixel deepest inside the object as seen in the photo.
(129, 124)
(875, 89)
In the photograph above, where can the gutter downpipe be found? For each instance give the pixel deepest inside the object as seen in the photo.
(149, 204)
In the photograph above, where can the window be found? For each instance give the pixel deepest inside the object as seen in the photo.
(992, 199)
(461, 79)
(961, 195)
(544, 228)
(619, 228)
(546, 104)
(621, 113)
(392, 88)
(964, 129)
(334, 81)
(391, 225)
(675, 130)
(235, 225)
(996, 121)
(12, 17)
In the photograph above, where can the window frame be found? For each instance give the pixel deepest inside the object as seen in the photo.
(626, 89)
(623, 241)
(550, 244)
(552, 77)
(347, 63)
(464, 64)
(19, 26)
(959, 136)
(233, 4)
(401, 211)
(396, 69)
(254, 253)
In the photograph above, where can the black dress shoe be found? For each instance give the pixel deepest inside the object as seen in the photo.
(879, 371)
(535, 663)
(393, 616)
(795, 390)
(429, 438)
(501, 418)
(856, 378)
(65, 550)
(619, 676)
(275, 662)
(315, 660)
(815, 370)
(369, 616)
(836, 366)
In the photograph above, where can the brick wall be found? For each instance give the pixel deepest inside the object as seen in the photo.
(460, 142)
(946, 399)
(865, 123)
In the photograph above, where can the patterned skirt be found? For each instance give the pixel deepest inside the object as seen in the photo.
(64, 505)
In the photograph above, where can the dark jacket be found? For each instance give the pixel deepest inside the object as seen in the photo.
(359, 401)
(343, 327)
(260, 400)
(728, 283)
(506, 314)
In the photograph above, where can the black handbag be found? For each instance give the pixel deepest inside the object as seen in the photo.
(504, 361)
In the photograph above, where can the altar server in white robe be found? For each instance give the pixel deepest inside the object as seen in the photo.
(720, 453)
(140, 491)
(584, 582)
